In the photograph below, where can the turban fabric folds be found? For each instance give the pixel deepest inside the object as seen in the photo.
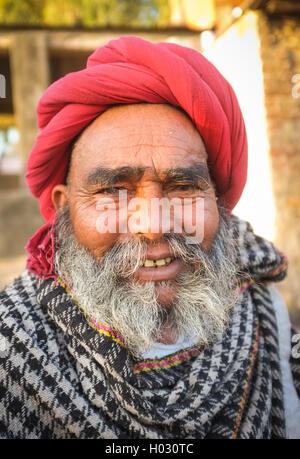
(126, 71)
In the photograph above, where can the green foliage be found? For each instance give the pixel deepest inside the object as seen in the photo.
(21, 12)
(86, 13)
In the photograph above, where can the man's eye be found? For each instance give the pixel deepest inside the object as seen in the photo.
(111, 190)
(186, 187)
(191, 187)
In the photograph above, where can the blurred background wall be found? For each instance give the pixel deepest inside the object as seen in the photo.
(255, 44)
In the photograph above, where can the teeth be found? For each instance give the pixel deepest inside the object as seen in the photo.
(149, 263)
(161, 262)
(156, 263)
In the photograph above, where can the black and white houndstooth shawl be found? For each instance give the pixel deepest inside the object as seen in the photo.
(62, 377)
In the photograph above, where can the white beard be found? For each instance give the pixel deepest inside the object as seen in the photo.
(107, 291)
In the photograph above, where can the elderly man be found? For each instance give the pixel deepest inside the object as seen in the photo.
(147, 310)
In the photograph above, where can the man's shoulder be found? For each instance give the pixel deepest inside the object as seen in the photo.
(19, 295)
(20, 313)
(30, 358)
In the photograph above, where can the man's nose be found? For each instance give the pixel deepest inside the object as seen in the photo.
(151, 222)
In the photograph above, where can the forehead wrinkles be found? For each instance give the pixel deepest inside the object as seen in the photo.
(108, 147)
(138, 135)
(129, 136)
(140, 119)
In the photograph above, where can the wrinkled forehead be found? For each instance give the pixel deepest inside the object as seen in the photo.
(156, 136)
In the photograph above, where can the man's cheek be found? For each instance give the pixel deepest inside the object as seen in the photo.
(211, 225)
(200, 222)
(92, 232)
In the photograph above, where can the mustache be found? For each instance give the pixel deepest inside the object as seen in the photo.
(123, 257)
(134, 251)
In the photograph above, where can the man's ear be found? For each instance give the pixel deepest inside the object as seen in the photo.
(59, 196)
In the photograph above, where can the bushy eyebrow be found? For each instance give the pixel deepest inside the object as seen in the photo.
(110, 176)
(193, 174)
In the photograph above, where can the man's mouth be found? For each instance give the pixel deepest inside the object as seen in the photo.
(156, 263)
(159, 269)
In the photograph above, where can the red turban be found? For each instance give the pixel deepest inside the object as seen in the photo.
(127, 71)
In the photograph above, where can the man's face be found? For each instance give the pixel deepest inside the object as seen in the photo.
(151, 151)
